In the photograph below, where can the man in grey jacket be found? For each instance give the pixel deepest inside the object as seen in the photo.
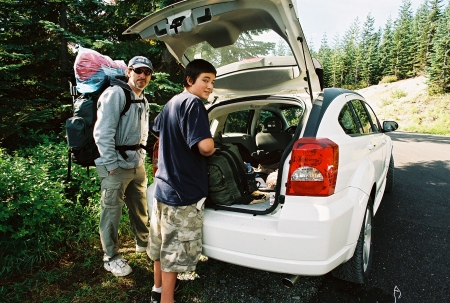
(120, 167)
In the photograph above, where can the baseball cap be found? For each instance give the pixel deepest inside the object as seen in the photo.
(140, 61)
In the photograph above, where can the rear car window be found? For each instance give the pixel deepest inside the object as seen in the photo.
(249, 44)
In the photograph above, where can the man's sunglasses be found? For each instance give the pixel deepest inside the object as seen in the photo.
(139, 71)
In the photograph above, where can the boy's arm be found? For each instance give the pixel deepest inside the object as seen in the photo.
(151, 129)
(206, 147)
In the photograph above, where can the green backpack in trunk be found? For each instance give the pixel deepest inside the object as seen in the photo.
(227, 183)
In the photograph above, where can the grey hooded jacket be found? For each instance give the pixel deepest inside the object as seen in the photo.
(111, 129)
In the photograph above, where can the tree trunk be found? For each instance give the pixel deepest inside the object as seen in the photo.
(63, 48)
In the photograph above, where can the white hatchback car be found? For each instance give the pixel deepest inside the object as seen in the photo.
(336, 162)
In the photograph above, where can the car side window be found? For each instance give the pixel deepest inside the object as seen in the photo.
(292, 115)
(364, 118)
(347, 121)
(237, 122)
(375, 122)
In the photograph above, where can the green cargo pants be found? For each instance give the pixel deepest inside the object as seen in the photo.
(125, 186)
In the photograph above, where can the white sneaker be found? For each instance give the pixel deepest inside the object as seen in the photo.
(118, 267)
(140, 249)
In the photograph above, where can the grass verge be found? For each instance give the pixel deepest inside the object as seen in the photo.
(82, 279)
(425, 114)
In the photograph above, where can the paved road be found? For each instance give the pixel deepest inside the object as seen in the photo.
(411, 261)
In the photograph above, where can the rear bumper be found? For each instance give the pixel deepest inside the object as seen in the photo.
(295, 267)
(301, 238)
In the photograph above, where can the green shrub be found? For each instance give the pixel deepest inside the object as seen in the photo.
(398, 93)
(42, 213)
(389, 79)
(32, 212)
(40, 216)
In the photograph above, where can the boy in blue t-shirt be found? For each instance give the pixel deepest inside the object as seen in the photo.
(176, 220)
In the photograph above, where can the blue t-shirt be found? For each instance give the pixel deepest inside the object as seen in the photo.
(182, 176)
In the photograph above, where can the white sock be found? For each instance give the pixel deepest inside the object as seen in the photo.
(156, 289)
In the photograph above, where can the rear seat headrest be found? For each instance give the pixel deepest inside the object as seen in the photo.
(272, 125)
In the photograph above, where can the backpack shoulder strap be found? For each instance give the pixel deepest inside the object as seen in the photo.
(127, 101)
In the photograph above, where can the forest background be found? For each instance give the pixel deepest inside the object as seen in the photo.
(48, 226)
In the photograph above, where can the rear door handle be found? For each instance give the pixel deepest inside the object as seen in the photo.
(371, 146)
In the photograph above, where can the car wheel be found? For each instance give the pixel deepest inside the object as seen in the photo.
(390, 176)
(357, 269)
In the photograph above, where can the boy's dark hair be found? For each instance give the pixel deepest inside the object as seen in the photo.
(195, 68)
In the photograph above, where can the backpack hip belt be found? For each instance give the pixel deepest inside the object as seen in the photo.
(123, 148)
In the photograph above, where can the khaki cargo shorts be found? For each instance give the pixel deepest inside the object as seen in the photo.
(175, 236)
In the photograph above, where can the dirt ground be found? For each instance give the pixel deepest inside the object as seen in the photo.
(395, 101)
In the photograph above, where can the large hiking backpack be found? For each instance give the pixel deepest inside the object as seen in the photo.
(80, 128)
(93, 73)
(227, 182)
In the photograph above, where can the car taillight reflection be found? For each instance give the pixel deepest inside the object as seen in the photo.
(155, 157)
(313, 167)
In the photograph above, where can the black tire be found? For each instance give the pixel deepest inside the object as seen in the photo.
(390, 176)
(357, 269)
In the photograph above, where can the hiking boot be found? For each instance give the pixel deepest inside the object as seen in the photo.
(156, 296)
(140, 249)
(118, 267)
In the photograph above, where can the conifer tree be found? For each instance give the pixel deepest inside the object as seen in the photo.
(420, 33)
(368, 48)
(434, 16)
(37, 62)
(439, 69)
(386, 50)
(351, 56)
(325, 58)
(30, 79)
(403, 52)
(337, 63)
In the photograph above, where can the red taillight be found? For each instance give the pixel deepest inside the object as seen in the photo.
(155, 157)
(313, 167)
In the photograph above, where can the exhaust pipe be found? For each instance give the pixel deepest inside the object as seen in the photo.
(289, 280)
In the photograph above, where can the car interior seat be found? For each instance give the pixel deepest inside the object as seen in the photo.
(272, 136)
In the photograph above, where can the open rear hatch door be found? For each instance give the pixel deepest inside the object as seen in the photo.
(256, 46)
